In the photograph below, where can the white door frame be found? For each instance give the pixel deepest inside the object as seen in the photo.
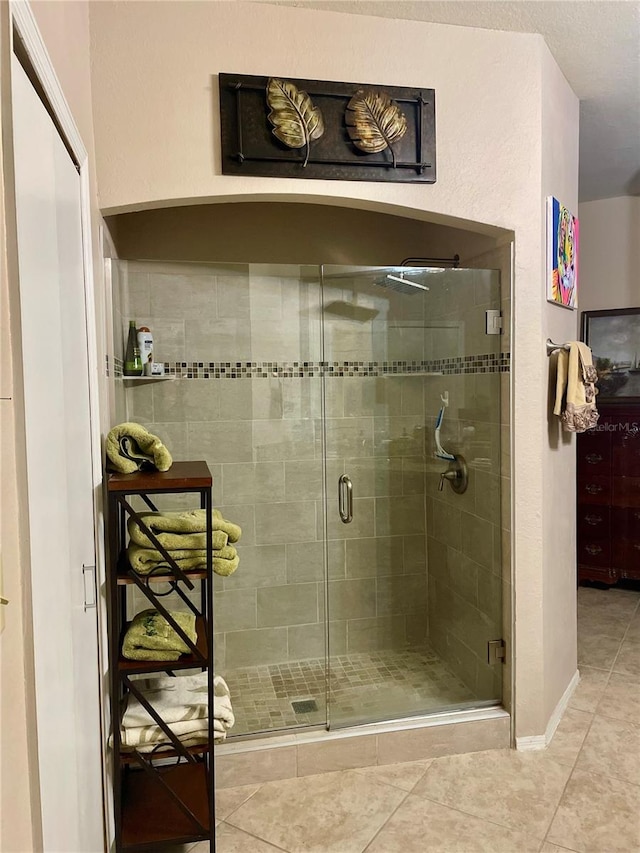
(22, 19)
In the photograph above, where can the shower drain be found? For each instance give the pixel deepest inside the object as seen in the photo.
(305, 706)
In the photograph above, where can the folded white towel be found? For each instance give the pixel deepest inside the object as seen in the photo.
(182, 703)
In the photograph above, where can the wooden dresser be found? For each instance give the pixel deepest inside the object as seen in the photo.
(609, 497)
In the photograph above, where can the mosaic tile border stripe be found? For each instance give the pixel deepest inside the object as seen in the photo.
(113, 367)
(485, 363)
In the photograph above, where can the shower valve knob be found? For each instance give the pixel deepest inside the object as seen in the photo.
(447, 475)
(457, 475)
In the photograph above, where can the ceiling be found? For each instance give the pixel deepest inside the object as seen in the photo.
(596, 43)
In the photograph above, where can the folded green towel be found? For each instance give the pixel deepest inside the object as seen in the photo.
(145, 560)
(151, 637)
(233, 531)
(225, 566)
(181, 530)
(130, 447)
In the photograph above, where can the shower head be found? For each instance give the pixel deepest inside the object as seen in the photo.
(400, 284)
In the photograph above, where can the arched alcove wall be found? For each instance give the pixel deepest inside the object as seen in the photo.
(292, 232)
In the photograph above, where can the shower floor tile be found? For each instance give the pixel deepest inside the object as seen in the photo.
(374, 685)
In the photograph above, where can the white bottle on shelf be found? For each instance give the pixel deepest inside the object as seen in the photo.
(145, 344)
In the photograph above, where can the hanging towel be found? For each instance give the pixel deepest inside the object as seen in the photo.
(145, 560)
(181, 530)
(151, 637)
(130, 447)
(575, 388)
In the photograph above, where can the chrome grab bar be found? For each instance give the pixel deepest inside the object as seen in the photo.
(345, 499)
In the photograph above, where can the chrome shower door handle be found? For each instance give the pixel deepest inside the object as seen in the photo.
(345, 499)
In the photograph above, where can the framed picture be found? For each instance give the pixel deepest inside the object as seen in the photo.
(614, 339)
(562, 255)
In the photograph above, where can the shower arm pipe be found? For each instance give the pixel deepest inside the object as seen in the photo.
(551, 347)
(454, 261)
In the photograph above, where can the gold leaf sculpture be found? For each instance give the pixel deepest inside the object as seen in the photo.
(374, 122)
(296, 122)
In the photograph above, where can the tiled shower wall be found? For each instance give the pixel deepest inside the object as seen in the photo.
(263, 439)
(468, 546)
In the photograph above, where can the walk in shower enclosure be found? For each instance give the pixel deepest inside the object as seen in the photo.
(369, 586)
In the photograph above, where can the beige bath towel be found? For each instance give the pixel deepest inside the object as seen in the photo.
(183, 703)
(575, 388)
(130, 447)
(182, 530)
(145, 560)
(151, 637)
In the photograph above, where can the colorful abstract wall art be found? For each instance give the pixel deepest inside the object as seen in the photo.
(562, 253)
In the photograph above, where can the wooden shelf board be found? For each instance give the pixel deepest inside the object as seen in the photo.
(181, 477)
(149, 815)
(129, 667)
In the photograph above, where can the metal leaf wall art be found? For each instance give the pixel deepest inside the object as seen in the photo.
(296, 121)
(288, 127)
(374, 122)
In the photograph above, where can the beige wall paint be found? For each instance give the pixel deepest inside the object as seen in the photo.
(64, 28)
(155, 111)
(559, 178)
(610, 254)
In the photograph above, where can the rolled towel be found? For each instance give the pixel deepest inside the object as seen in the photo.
(182, 530)
(145, 560)
(151, 637)
(130, 447)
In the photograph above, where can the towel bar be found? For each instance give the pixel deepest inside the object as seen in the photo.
(551, 347)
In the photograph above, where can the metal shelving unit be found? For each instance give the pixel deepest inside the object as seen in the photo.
(168, 797)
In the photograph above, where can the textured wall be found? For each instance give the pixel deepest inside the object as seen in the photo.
(559, 609)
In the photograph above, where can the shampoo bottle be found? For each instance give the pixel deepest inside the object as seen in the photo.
(145, 344)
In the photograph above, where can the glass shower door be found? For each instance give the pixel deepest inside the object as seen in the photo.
(413, 558)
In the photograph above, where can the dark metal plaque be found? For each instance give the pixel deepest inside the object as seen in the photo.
(249, 146)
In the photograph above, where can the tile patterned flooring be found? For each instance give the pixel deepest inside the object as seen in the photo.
(581, 794)
(375, 685)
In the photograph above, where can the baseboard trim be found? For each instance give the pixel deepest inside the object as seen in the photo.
(561, 707)
(531, 744)
(534, 743)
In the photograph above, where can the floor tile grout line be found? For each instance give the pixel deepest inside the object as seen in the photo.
(624, 637)
(593, 717)
(569, 778)
(470, 814)
(379, 830)
(260, 784)
(258, 837)
(607, 776)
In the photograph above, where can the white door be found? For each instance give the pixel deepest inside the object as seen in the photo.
(58, 443)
